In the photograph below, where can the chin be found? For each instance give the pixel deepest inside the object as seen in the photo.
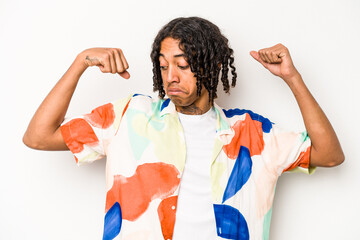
(177, 100)
(180, 102)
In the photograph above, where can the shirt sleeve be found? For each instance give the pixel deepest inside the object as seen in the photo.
(88, 135)
(287, 151)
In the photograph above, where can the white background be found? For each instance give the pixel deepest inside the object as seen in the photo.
(44, 195)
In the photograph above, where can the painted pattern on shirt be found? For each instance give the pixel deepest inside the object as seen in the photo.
(144, 144)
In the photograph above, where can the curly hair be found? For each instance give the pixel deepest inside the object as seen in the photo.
(206, 50)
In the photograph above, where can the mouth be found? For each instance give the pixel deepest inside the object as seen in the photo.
(174, 91)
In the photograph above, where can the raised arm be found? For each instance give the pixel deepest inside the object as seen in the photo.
(43, 132)
(325, 149)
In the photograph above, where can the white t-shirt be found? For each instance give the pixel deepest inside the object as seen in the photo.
(195, 218)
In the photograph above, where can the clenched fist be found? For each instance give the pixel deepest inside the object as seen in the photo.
(277, 60)
(109, 60)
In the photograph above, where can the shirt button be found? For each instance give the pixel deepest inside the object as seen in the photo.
(173, 207)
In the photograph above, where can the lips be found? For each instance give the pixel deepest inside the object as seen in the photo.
(174, 91)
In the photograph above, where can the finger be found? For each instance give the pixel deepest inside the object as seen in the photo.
(119, 64)
(125, 74)
(112, 61)
(123, 59)
(272, 57)
(275, 57)
(101, 67)
(263, 55)
(281, 51)
(106, 65)
(267, 54)
(281, 54)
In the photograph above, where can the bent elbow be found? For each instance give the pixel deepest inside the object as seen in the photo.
(30, 142)
(336, 161)
(341, 159)
(27, 141)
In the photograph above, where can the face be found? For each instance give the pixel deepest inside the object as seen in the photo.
(179, 82)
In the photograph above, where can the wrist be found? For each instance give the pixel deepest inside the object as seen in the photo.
(80, 62)
(296, 84)
(293, 78)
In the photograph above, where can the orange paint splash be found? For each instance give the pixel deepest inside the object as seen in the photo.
(248, 133)
(78, 132)
(167, 216)
(101, 117)
(302, 161)
(134, 194)
(127, 105)
(122, 115)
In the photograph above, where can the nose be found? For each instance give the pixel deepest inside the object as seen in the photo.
(173, 75)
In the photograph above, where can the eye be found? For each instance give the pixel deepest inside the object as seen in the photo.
(163, 67)
(183, 67)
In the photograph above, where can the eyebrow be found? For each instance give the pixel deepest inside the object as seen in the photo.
(175, 56)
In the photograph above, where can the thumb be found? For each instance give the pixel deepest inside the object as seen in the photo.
(125, 74)
(255, 55)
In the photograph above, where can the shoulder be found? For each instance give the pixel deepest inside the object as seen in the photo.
(247, 116)
(143, 103)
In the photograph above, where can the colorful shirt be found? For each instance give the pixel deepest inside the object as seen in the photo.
(144, 143)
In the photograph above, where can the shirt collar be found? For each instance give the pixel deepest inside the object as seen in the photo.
(223, 129)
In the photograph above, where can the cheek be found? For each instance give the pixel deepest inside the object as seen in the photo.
(164, 80)
(191, 84)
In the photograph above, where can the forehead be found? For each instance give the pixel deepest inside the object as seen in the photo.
(170, 48)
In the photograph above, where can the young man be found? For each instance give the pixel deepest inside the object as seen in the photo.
(182, 167)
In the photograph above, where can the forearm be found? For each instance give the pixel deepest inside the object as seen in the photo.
(52, 110)
(326, 149)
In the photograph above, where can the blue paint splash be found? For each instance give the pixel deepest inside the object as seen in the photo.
(266, 123)
(112, 223)
(139, 94)
(230, 223)
(165, 104)
(240, 173)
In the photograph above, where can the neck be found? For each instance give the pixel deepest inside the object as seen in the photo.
(193, 109)
(200, 106)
